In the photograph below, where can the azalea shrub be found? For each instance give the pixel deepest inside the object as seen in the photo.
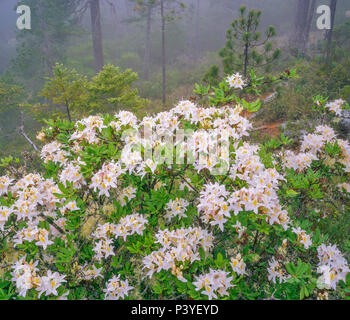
(179, 205)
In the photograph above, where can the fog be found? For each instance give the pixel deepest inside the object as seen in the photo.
(124, 33)
(128, 34)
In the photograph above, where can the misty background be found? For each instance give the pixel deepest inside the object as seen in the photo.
(131, 37)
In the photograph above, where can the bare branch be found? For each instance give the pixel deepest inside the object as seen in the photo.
(22, 132)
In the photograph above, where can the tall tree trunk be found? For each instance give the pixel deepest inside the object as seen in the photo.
(46, 44)
(147, 57)
(96, 34)
(163, 52)
(308, 26)
(333, 6)
(196, 30)
(128, 8)
(297, 24)
(114, 14)
(68, 112)
(302, 14)
(246, 59)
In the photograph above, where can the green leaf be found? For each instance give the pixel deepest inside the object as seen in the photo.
(291, 193)
(290, 268)
(219, 260)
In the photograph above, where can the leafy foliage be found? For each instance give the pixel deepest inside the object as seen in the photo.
(110, 89)
(104, 219)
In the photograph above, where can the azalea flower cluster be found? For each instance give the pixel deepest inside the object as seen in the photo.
(178, 247)
(33, 233)
(239, 228)
(207, 147)
(213, 205)
(303, 238)
(246, 188)
(260, 196)
(117, 288)
(345, 186)
(235, 81)
(69, 207)
(4, 184)
(87, 272)
(34, 200)
(4, 215)
(91, 126)
(298, 161)
(32, 192)
(312, 148)
(345, 150)
(216, 204)
(106, 178)
(215, 283)
(53, 152)
(176, 208)
(128, 194)
(335, 106)
(238, 264)
(25, 276)
(313, 143)
(128, 225)
(72, 173)
(275, 271)
(332, 265)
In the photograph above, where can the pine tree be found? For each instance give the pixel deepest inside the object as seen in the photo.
(245, 47)
(70, 94)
